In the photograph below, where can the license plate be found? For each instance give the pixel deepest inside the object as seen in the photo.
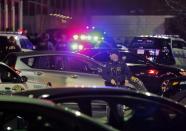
(140, 51)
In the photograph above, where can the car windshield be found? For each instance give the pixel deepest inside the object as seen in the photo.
(148, 43)
(26, 44)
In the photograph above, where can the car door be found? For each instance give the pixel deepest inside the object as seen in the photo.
(81, 73)
(45, 70)
(178, 52)
(10, 81)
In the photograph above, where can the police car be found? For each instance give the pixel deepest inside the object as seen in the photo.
(22, 41)
(162, 49)
(57, 69)
(148, 74)
(10, 81)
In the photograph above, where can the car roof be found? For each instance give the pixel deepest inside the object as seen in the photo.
(36, 53)
(12, 34)
(97, 91)
(167, 37)
(43, 53)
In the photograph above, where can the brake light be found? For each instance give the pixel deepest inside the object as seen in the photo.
(152, 72)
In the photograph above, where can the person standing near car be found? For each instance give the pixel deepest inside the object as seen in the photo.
(45, 44)
(61, 43)
(12, 46)
(116, 72)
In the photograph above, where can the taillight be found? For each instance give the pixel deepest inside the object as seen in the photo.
(152, 72)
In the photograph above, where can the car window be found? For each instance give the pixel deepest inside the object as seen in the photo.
(76, 64)
(18, 121)
(6, 75)
(148, 43)
(125, 113)
(130, 58)
(3, 40)
(177, 44)
(26, 44)
(102, 57)
(40, 62)
(61, 63)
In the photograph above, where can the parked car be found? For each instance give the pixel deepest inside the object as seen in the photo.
(162, 49)
(122, 108)
(57, 69)
(149, 74)
(10, 81)
(61, 69)
(25, 114)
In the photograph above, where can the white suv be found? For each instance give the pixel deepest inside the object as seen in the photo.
(22, 41)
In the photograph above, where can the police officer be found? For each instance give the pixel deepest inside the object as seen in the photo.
(116, 72)
(12, 46)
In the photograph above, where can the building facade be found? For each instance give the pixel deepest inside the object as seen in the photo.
(11, 15)
(40, 15)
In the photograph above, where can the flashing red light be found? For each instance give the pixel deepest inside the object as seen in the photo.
(152, 72)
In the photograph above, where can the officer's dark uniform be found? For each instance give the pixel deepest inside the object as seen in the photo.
(117, 71)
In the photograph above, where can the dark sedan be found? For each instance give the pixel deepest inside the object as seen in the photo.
(25, 114)
(121, 108)
(151, 74)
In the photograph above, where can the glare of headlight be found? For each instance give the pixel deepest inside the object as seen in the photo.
(78, 113)
(74, 46)
(9, 128)
(102, 38)
(80, 47)
(16, 38)
(76, 37)
(96, 38)
(89, 37)
(83, 37)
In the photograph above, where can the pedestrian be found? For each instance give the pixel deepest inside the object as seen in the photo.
(116, 72)
(61, 43)
(12, 47)
(45, 44)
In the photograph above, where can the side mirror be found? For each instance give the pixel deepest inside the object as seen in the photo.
(24, 79)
